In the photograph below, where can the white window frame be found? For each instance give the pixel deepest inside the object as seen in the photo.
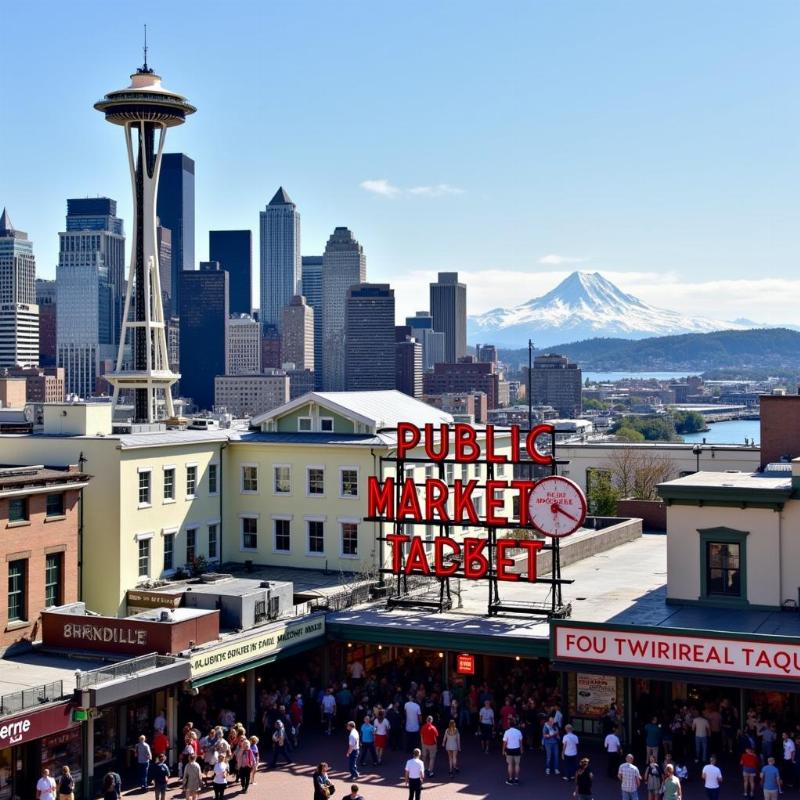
(214, 463)
(149, 472)
(306, 520)
(309, 467)
(352, 468)
(310, 425)
(282, 466)
(242, 467)
(145, 537)
(327, 419)
(281, 518)
(243, 517)
(191, 526)
(164, 468)
(209, 523)
(173, 532)
(341, 521)
(187, 467)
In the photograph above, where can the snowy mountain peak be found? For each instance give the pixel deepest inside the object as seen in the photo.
(584, 305)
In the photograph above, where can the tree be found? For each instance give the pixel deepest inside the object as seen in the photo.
(689, 421)
(636, 472)
(602, 494)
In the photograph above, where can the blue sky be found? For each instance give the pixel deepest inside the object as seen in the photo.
(511, 141)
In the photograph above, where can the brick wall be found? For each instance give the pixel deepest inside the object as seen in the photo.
(32, 541)
(653, 513)
(780, 428)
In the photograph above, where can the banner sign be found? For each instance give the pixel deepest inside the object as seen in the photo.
(596, 693)
(465, 664)
(677, 652)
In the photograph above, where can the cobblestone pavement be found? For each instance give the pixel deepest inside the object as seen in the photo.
(481, 777)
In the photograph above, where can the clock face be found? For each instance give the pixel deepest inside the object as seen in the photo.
(557, 506)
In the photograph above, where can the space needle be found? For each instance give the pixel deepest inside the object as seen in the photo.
(145, 109)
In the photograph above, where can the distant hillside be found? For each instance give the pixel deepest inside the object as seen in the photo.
(772, 349)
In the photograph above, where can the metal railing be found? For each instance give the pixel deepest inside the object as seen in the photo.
(121, 669)
(31, 698)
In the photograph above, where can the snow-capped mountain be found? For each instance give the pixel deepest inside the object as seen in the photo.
(583, 306)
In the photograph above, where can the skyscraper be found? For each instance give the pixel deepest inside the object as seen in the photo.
(19, 314)
(145, 109)
(280, 257)
(164, 244)
(432, 341)
(408, 357)
(556, 382)
(234, 251)
(449, 312)
(343, 265)
(175, 209)
(46, 300)
(203, 325)
(370, 351)
(244, 344)
(312, 291)
(298, 334)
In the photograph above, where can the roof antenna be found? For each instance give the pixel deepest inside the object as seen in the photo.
(144, 69)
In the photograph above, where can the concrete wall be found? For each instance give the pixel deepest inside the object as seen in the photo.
(653, 513)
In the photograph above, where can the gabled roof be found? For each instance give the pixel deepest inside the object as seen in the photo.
(281, 198)
(384, 409)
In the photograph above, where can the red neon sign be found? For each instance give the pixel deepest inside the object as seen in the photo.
(465, 664)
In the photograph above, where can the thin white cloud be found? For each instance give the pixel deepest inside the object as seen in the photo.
(555, 260)
(385, 188)
(435, 191)
(380, 186)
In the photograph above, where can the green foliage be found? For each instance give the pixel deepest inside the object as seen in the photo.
(602, 495)
(627, 434)
(688, 421)
(654, 428)
(594, 405)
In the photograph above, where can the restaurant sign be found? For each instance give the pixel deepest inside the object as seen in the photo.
(32, 725)
(258, 645)
(676, 652)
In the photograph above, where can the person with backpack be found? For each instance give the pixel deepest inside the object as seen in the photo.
(66, 784)
(160, 775)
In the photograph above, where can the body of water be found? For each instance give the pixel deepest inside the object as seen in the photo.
(610, 377)
(733, 432)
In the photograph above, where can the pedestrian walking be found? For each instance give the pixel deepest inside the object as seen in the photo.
(512, 750)
(550, 739)
(46, 786)
(629, 779)
(712, 778)
(143, 756)
(771, 780)
(671, 788)
(569, 751)
(613, 748)
(323, 788)
(414, 775)
(413, 722)
(653, 737)
(192, 778)
(353, 746)
(653, 778)
(451, 742)
(486, 722)
(246, 762)
(112, 786)
(368, 742)
(256, 759)
(66, 784)
(279, 745)
(789, 758)
(160, 773)
(429, 736)
(220, 782)
(583, 781)
(750, 764)
(328, 711)
(382, 729)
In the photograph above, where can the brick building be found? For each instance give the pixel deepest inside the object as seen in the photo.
(42, 384)
(39, 551)
(467, 375)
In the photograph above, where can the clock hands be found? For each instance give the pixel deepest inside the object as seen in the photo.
(556, 509)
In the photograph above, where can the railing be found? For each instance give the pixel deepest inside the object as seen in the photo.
(121, 669)
(31, 698)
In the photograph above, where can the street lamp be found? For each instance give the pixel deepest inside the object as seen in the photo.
(697, 450)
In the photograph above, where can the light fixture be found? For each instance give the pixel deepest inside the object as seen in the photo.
(349, 644)
(441, 655)
(410, 649)
(259, 679)
(243, 679)
(517, 657)
(380, 647)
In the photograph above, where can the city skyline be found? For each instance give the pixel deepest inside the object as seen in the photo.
(668, 167)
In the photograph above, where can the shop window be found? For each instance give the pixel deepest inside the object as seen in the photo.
(144, 558)
(282, 479)
(723, 553)
(283, 540)
(169, 483)
(316, 481)
(349, 476)
(213, 540)
(55, 505)
(18, 509)
(316, 537)
(52, 579)
(17, 574)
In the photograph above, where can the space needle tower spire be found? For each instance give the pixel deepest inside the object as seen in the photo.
(145, 109)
